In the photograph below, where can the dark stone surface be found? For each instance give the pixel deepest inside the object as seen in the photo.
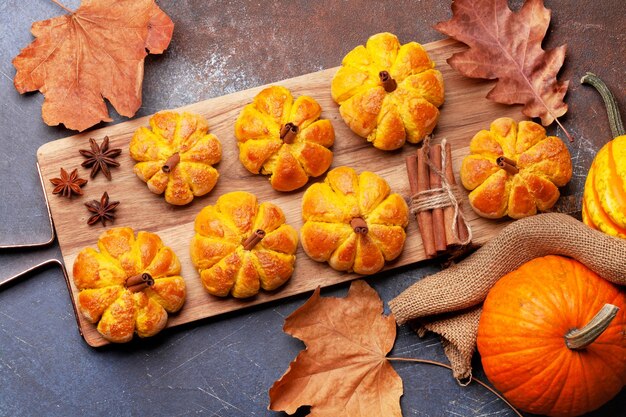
(225, 366)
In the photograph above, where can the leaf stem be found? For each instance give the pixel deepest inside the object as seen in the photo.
(571, 139)
(443, 365)
(58, 3)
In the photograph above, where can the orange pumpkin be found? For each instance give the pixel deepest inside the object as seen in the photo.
(538, 346)
(604, 199)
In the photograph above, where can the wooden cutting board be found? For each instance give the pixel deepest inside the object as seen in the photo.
(466, 111)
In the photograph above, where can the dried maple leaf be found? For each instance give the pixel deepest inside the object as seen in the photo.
(96, 52)
(344, 370)
(507, 46)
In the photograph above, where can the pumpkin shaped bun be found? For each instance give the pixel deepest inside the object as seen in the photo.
(176, 156)
(514, 169)
(389, 93)
(353, 222)
(551, 337)
(129, 284)
(284, 138)
(241, 246)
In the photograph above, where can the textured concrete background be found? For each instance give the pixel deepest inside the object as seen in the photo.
(224, 366)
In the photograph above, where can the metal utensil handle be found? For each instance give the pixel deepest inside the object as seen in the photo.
(47, 242)
(52, 234)
(6, 281)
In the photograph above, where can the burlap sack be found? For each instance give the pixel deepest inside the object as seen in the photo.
(448, 303)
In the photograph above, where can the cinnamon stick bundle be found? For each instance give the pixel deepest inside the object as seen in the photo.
(436, 221)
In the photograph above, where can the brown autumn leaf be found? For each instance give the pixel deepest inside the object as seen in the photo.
(93, 53)
(344, 370)
(507, 46)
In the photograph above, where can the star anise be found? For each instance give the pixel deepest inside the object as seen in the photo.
(100, 157)
(68, 184)
(103, 210)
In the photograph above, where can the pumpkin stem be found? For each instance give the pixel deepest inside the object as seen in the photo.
(288, 132)
(615, 119)
(171, 163)
(389, 84)
(359, 226)
(139, 282)
(507, 164)
(581, 338)
(253, 239)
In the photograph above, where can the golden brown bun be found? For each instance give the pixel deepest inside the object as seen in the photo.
(388, 120)
(100, 276)
(261, 149)
(544, 164)
(328, 209)
(188, 135)
(217, 250)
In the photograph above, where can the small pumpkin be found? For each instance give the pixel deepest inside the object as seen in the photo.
(541, 345)
(514, 169)
(604, 198)
(285, 138)
(388, 93)
(176, 156)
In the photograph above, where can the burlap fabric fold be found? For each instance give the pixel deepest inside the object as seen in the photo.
(449, 303)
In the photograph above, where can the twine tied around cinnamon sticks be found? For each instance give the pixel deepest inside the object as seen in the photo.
(436, 199)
